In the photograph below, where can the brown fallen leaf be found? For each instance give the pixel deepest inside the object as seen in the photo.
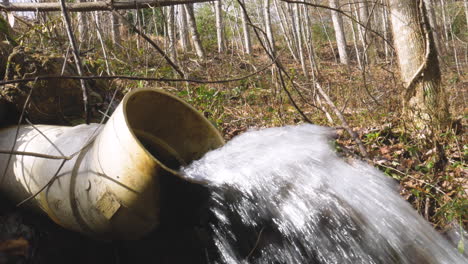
(15, 247)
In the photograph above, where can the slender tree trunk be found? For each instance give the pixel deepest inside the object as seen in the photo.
(444, 24)
(245, 29)
(355, 37)
(425, 104)
(192, 25)
(339, 33)
(219, 25)
(433, 23)
(385, 30)
(171, 33)
(284, 25)
(367, 39)
(184, 37)
(465, 2)
(325, 30)
(115, 28)
(298, 30)
(82, 25)
(268, 29)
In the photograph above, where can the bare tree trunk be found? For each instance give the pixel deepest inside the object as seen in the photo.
(433, 23)
(444, 24)
(425, 103)
(298, 30)
(465, 2)
(192, 25)
(82, 25)
(325, 30)
(385, 30)
(355, 37)
(115, 28)
(368, 42)
(219, 25)
(339, 33)
(284, 25)
(184, 40)
(245, 29)
(171, 33)
(269, 31)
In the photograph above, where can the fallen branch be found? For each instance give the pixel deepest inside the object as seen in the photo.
(128, 77)
(94, 6)
(344, 123)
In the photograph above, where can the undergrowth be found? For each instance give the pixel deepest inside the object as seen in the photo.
(432, 173)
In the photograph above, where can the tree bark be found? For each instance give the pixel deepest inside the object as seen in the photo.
(184, 41)
(298, 30)
(339, 33)
(366, 38)
(115, 28)
(433, 23)
(82, 21)
(171, 33)
(192, 25)
(94, 6)
(269, 31)
(245, 29)
(424, 99)
(219, 25)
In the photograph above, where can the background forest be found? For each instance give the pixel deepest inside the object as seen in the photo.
(389, 76)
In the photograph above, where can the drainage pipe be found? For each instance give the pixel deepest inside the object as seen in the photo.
(110, 188)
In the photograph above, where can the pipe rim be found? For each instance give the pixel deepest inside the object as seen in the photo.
(132, 93)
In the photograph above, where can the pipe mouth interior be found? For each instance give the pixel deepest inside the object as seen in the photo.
(172, 131)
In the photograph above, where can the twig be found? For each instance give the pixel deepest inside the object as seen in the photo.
(33, 154)
(343, 13)
(76, 55)
(128, 77)
(66, 158)
(47, 138)
(409, 176)
(270, 52)
(256, 243)
(26, 104)
(344, 123)
(152, 43)
(45, 186)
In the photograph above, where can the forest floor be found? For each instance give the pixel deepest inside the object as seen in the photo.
(370, 101)
(436, 185)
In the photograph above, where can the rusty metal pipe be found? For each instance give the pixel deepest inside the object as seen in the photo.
(110, 188)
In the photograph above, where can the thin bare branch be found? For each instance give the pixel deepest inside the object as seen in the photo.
(76, 56)
(343, 13)
(271, 53)
(94, 6)
(33, 154)
(127, 77)
(344, 123)
(152, 43)
(25, 106)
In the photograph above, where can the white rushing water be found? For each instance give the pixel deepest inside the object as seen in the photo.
(281, 195)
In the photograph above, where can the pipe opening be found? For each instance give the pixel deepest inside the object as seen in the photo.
(172, 131)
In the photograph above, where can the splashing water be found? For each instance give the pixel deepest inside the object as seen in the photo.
(281, 195)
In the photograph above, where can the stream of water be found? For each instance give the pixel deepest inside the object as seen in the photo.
(282, 195)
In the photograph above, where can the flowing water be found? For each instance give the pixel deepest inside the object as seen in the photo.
(281, 195)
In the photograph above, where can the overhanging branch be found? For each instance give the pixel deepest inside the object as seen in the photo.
(94, 6)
